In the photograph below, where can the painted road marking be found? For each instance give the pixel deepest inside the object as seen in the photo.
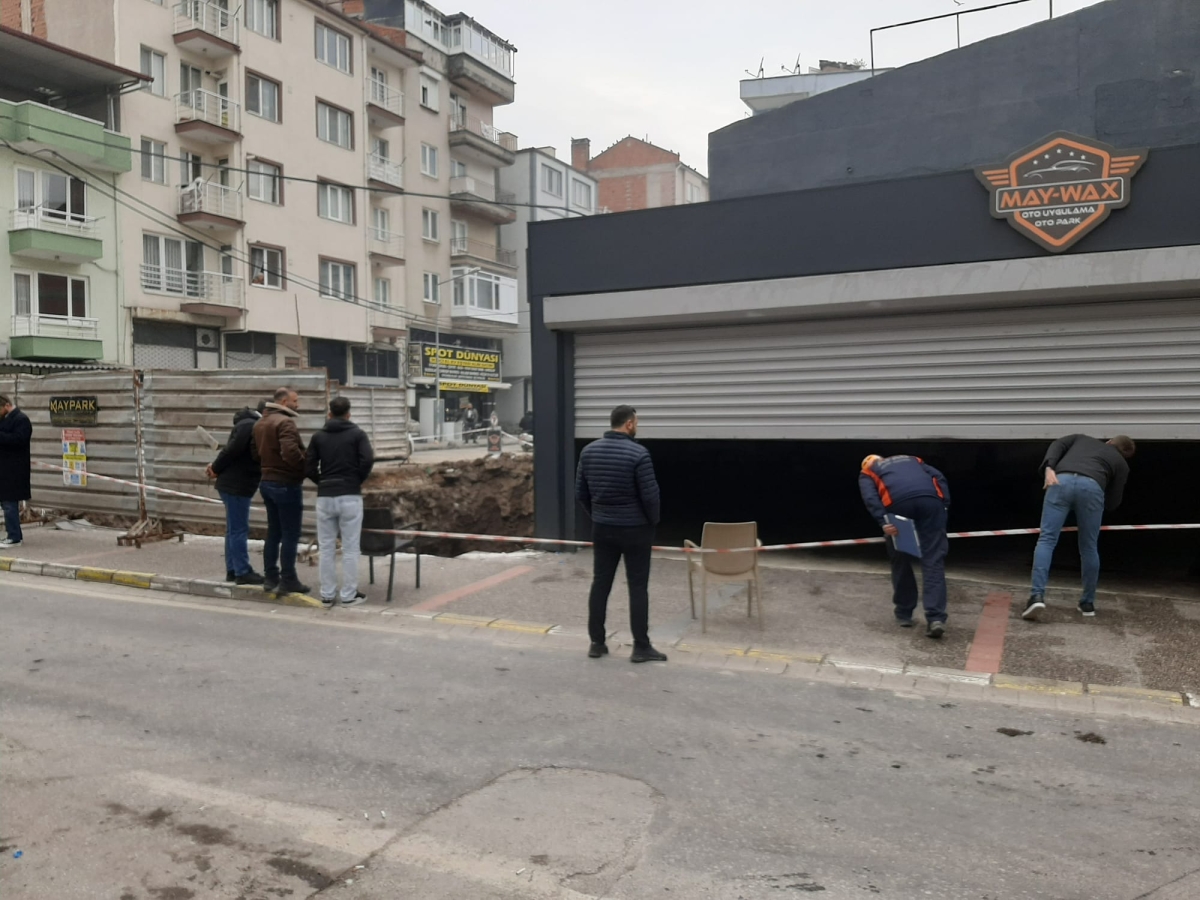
(987, 648)
(466, 590)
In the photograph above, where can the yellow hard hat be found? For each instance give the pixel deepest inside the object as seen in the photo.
(869, 461)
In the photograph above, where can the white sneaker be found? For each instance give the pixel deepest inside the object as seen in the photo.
(8, 542)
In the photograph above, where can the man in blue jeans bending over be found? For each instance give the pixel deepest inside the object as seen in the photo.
(280, 452)
(1086, 477)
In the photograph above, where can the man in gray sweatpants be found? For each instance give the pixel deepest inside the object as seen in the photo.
(339, 460)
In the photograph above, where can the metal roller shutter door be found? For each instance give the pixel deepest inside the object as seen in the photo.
(1000, 374)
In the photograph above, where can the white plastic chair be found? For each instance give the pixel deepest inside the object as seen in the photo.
(722, 568)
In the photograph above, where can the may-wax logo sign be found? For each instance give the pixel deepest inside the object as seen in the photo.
(1061, 188)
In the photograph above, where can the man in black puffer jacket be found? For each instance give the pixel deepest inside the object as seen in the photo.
(615, 484)
(339, 460)
(237, 473)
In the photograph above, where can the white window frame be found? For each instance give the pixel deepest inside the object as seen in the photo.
(429, 91)
(268, 260)
(693, 193)
(382, 291)
(154, 161)
(581, 187)
(337, 280)
(341, 47)
(550, 177)
(264, 174)
(255, 96)
(431, 287)
(151, 59)
(458, 169)
(429, 160)
(381, 223)
(33, 300)
(182, 281)
(469, 288)
(429, 225)
(37, 198)
(335, 202)
(262, 17)
(342, 122)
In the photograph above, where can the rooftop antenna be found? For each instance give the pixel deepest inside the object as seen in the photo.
(760, 69)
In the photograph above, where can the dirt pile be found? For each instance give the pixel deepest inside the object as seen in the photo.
(480, 496)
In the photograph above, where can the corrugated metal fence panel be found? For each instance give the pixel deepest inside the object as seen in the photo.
(174, 403)
(383, 414)
(1002, 374)
(111, 447)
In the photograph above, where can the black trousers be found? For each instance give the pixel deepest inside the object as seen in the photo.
(929, 515)
(612, 543)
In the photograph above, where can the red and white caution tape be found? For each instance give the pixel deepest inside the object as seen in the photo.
(554, 542)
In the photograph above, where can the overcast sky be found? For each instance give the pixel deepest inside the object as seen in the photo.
(669, 69)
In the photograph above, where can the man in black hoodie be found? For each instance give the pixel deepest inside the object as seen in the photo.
(339, 460)
(237, 472)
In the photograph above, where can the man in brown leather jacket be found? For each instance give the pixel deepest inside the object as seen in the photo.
(281, 454)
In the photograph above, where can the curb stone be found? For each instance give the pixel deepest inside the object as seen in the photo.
(1175, 706)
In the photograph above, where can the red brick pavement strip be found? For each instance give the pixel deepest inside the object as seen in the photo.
(987, 649)
(466, 590)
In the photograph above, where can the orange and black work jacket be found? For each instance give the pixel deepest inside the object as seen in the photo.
(894, 478)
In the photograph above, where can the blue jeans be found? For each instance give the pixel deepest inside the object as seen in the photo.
(929, 516)
(1073, 494)
(237, 532)
(12, 519)
(285, 510)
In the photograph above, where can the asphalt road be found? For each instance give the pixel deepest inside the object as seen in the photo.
(161, 750)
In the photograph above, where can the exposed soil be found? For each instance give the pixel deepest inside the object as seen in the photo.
(478, 496)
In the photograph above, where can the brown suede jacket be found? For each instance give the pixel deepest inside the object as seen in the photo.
(278, 446)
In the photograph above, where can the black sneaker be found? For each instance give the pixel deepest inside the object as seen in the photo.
(359, 599)
(229, 576)
(647, 654)
(935, 630)
(598, 649)
(1088, 609)
(270, 586)
(293, 586)
(905, 623)
(329, 604)
(1033, 608)
(251, 578)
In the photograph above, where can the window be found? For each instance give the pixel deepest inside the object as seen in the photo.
(262, 16)
(335, 202)
(458, 236)
(337, 280)
(375, 363)
(383, 292)
(266, 267)
(429, 160)
(381, 149)
(154, 64)
(429, 93)
(581, 194)
(478, 291)
(334, 125)
(171, 265)
(552, 180)
(42, 294)
(265, 182)
(457, 169)
(379, 86)
(429, 224)
(431, 288)
(262, 97)
(191, 167)
(694, 194)
(333, 48)
(52, 195)
(381, 223)
(154, 161)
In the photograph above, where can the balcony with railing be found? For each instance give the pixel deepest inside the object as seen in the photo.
(467, 250)
(485, 296)
(37, 232)
(481, 141)
(480, 61)
(389, 244)
(209, 205)
(202, 293)
(37, 336)
(384, 170)
(385, 102)
(482, 198)
(204, 27)
(206, 116)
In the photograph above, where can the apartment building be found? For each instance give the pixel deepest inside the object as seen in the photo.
(462, 271)
(58, 115)
(635, 174)
(269, 224)
(547, 188)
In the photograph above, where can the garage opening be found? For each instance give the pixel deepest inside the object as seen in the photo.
(808, 490)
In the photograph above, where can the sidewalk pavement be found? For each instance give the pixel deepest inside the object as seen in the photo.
(817, 607)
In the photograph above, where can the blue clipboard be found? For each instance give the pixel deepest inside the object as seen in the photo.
(906, 540)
